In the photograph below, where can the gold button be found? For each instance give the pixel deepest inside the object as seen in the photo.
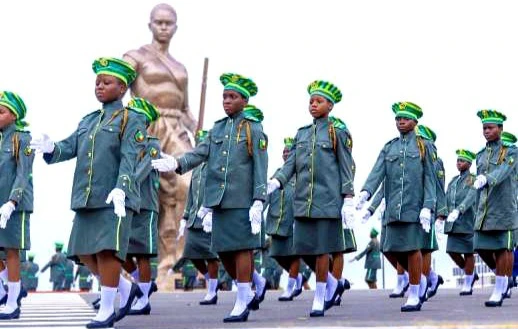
(226, 136)
(89, 172)
(89, 154)
(88, 189)
(224, 152)
(91, 136)
(310, 184)
(222, 185)
(401, 164)
(111, 129)
(222, 168)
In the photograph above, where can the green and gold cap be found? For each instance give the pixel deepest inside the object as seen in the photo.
(143, 106)
(508, 139)
(253, 113)
(466, 155)
(201, 135)
(407, 110)
(115, 67)
(31, 255)
(244, 86)
(325, 89)
(426, 133)
(288, 142)
(491, 116)
(374, 232)
(16, 105)
(58, 244)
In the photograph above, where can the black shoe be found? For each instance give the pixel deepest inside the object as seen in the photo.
(108, 323)
(402, 293)
(261, 298)
(96, 306)
(243, 317)
(3, 300)
(296, 292)
(470, 292)
(316, 313)
(212, 301)
(411, 308)
(134, 292)
(22, 294)
(14, 315)
(338, 292)
(432, 293)
(145, 311)
(346, 284)
(96, 301)
(490, 303)
(153, 288)
(508, 292)
(424, 297)
(253, 305)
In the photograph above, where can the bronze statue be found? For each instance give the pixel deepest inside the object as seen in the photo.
(163, 81)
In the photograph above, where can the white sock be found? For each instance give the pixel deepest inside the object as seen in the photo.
(260, 283)
(400, 283)
(413, 295)
(290, 287)
(206, 276)
(468, 280)
(299, 281)
(135, 275)
(318, 300)
(243, 290)
(14, 291)
(124, 290)
(106, 308)
(330, 286)
(3, 274)
(211, 288)
(423, 283)
(144, 300)
(499, 289)
(434, 279)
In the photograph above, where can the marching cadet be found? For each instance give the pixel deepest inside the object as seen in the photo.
(496, 213)
(322, 164)
(69, 275)
(372, 259)
(405, 166)
(144, 227)
(279, 226)
(198, 239)
(16, 198)
(29, 271)
(237, 164)
(106, 143)
(461, 198)
(85, 278)
(57, 267)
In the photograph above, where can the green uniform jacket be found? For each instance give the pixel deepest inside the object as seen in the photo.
(279, 220)
(441, 207)
(57, 267)
(497, 209)
(106, 156)
(84, 274)
(195, 197)
(409, 181)
(372, 253)
(235, 178)
(147, 178)
(461, 196)
(69, 272)
(324, 170)
(16, 158)
(28, 271)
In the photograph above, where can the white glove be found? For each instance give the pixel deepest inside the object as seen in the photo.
(272, 185)
(207, 222)
(118, 197)
(256, 216)
(165, 164)
(202, 212)
(453, 215)
(5, 213)
(348, 213)
(181, 229)
(439, 226)
(480, 182)
(425, 217)
(366, 215)
(362, 198)
(42, 144)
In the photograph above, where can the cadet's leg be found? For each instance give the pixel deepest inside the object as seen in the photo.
(458, 259)
(284, 262)
(469, 261)
(200, 265)
(130, 266)
(469, 267)
(91, 262)
(338, 265)
(392, 260)
(414, 268)
(500, 279)
(212, 268)
(427, 262)
(311, 262)
(321, 273)
(229, 263)
(13, 280)
(211, 277)
(243, 262)
(294, 267)
(488, 256)
(108, 268)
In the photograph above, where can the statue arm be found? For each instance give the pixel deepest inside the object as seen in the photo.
(188, 119)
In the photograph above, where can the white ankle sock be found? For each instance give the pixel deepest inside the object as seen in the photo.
(124, 290)
(318, 300)
(106, 308)
(212, 285)
(299, 281)
(243, 289)
(423, 283)
(331, 285)
(400, 284)
(135, 275)
(290, 287)
(434, 279)
(260, 283)
(413, 295)
(144, 300)
(499, 288)
(14, 291)
(468, 280)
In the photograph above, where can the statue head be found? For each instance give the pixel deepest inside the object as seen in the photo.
(162, 22)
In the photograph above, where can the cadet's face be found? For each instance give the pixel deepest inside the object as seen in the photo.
(319, 107)
(463, 165)
(163, 25)
(405, 125)
(233, 102)
(492, 131)
(285, 154)
(108, 88)
(6, 117)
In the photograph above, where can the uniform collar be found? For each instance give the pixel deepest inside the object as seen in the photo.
(494, 144)
(113, 106)
(9, 129)
(409, 135)
(320, 120)
(464, 173)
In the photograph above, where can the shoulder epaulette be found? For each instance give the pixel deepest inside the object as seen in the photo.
(482, 150)
(91, 113)
(391, 141)
(220, 119)
(306, 126)
(253, 114)
(338, 123)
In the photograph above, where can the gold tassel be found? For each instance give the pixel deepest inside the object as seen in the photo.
(16, 147)
(332, 135)
(248, 135)
(502, 155)
(124, 122)
(421, 147)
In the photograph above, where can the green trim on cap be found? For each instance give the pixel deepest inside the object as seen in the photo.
(15, 104)
(116, 68)
(465, 155)
(407, 110)
(426, 133)
(508, 139)
(236, 82)
(325, 89)
(491, 116)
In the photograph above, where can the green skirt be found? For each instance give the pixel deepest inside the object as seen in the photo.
(460, 243)
(144, 234)
(231, 231)
(318, 236)
(281, 246)
(349, 241)
(429, 242)
(197, 245)
(403, 237)
(371, 275)
(95, 230)
(493, 240)
(16, 234)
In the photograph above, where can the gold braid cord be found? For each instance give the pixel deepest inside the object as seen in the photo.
(502, 155)
(16, 147)
(332, 136)
(421, 147)
(248, 135)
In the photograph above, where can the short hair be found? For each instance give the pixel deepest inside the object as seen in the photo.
(164, 6)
